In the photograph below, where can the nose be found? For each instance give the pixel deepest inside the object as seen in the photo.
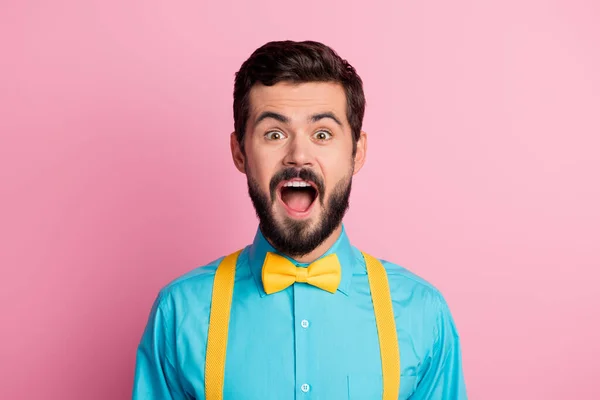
(299, 153)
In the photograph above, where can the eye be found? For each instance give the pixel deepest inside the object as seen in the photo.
(322, 135)
(274, 135)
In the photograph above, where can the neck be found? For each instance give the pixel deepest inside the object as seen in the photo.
(321, 248)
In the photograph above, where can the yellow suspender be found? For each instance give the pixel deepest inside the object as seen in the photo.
(386, 327)
(218, 328)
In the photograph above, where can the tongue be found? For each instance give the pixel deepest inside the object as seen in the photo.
(297, 200)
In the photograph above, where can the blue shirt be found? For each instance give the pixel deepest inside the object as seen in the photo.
(302, 342)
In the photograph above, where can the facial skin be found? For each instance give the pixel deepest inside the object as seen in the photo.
(292, 132)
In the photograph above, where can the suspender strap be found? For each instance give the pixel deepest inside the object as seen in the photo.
(386, 327)
(218, 327)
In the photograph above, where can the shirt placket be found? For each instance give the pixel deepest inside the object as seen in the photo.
(302, 322)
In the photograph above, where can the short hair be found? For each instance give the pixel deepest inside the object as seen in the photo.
(297, 62)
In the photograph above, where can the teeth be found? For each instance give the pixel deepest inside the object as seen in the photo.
(297, 184)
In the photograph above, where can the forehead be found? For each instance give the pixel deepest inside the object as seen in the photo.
(297, 100)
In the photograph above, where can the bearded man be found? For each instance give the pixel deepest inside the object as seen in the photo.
(300, 313)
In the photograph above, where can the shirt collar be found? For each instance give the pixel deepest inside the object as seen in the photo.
(342, 247)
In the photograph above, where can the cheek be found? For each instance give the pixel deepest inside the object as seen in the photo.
(262, 169)
(334, 170)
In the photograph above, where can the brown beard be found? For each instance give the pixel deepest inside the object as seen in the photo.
(294, 238)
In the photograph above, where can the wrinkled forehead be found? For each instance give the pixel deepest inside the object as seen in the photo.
(298, 101)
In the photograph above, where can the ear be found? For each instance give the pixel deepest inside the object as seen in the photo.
(236, 153)
(361, 152)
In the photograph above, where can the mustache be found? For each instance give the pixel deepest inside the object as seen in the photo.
(291, 173)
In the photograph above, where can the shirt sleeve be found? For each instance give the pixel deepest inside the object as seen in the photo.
(156, 374)
(443, 378)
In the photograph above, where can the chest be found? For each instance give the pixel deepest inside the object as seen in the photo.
(305, 343)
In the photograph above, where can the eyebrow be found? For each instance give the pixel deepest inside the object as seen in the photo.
(330, 115)
(270, 114)
(285, 120)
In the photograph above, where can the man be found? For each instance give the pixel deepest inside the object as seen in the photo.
(300, 313)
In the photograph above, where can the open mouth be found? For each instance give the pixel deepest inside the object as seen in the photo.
(298, 196)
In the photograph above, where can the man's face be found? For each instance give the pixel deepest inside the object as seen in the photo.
(298, 162)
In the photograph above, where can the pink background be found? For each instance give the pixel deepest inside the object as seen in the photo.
(482, 174)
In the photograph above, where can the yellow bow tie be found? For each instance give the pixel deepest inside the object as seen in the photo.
(278, 273)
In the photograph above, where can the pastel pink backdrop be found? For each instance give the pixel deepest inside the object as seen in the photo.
(482, 174)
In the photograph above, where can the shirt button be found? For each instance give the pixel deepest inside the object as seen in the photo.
(304, 323)
(305, 388)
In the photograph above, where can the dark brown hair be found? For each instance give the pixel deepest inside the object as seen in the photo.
(297, 62)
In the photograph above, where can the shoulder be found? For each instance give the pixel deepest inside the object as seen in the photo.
(198, 278)
(423, 302)
(401, 278)
(190, 290)
(426, 300)
(406, 287)
(397, 272)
